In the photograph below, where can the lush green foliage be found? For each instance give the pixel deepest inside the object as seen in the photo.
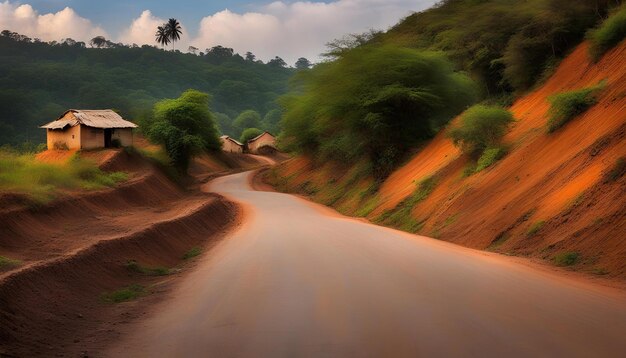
(39, 81)
(375, 101)
(22, 173)
(184, 126)
(504, 44)
(610, 33)
(481, 127)
(567, 105)
(247, 119)
(249, 133)
(489, 157)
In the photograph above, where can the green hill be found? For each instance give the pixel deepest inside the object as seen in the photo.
(39, 80)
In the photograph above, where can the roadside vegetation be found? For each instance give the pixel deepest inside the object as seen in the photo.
(568, 105)
(400, 217)
(7, 263)
(41, 182)
(125, 294)
(184, 126)
(610, 33)
(134, 266)
(193, 252)
(566, 258)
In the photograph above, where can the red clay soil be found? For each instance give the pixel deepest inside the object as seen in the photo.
(75, 249)
(560, 179)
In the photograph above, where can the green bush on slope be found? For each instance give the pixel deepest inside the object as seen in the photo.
(610, 33)
(567, 105)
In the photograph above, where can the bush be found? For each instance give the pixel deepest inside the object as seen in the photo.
(610, 33)
(481, 127)
(374, 102)
(535, 228)
(125, 294)
(567, 105)
(184, 126)
(489, 157)
(249, 133)
(566, 258)
(247, 119)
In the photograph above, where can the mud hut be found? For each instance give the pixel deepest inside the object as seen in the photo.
(265, 143)
(89, 129)
(230, 145)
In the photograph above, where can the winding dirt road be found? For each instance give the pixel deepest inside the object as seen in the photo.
(297, 281)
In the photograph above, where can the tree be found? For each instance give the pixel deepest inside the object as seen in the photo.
(161, 36)
(277, 62)
(98, 41)
(247, 119)
(481, 127)
(184, 126)
(192, 49)
(338, 47)
(249, 133)
(250, 56)
(173, 30)
(303, 64)
(271, 121)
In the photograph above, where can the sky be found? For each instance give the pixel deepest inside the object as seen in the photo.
(289, 29)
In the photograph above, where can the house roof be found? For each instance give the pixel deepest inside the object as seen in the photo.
(259, 136)
(101, 118)
(225, 137)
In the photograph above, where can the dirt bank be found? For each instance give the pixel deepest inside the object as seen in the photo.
(69, 254)
(551, 196)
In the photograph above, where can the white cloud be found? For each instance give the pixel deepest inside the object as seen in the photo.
(291, 30)
(52, 26)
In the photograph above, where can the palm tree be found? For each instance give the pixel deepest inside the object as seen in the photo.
(162, 36)
(173, 30)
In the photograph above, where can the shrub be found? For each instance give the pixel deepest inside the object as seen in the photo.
(249, 133)
(6, 263)
(610, 33)
(535, 228)
(566, 258)
(400, 216)
(192, 253)
(489, 157)
(247, 119)
(567, 105)
(481, 127)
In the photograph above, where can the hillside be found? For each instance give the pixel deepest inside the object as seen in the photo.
(39, 81)
(557, 197)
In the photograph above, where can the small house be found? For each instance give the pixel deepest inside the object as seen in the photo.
(265, 143)
(89, 129)
(230, 145)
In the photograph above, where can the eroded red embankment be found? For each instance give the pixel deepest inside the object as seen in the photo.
(557, 178)
(77, 248)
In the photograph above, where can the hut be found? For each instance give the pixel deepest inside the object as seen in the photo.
(265, 143)
(230, 145)
(89, 129)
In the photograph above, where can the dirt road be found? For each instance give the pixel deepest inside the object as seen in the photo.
(297, 281)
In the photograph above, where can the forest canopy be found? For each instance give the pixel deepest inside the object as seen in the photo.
(39, 81)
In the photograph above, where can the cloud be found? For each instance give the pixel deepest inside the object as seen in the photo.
(142, 31)
(292, 30)
(52, 26)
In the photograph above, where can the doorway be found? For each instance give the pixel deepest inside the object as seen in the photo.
(108, 133)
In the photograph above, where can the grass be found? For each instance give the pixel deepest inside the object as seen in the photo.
(566, 258)
(7, 263)
(489, 157)
(192, 253)
(369, 206)
(568, 105)
(400, 217)
(610, 33)
(618, 170)
(22, 173)
(535, 228)
(134, 266)
(125, 294)
(499, 240)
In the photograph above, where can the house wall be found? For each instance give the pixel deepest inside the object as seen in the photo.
(124, 135)
(70, 137)
(231, 147)
(91, 138)
(265, 140)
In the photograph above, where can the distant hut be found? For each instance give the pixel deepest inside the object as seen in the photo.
(230, 145)
(89, 129)
(265, 143)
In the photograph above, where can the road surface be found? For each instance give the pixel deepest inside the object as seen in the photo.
(296, 281)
